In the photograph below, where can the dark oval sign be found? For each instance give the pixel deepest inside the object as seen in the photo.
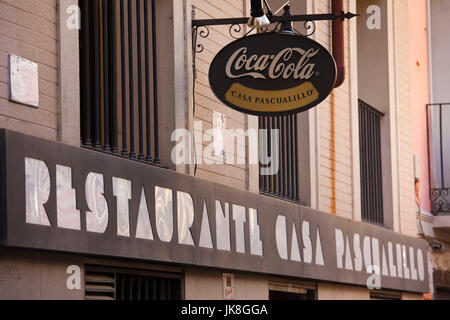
(272, 74)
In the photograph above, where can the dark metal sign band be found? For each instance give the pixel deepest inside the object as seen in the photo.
(61, 198)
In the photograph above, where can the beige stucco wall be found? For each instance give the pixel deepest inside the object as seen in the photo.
(28, 28)
(411, 296)
(34, 275)
(403, 84)
(69, 75)
(334, 132)
(234, 175)
(331, 291)
(203, 284)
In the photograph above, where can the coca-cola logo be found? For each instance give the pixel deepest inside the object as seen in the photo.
(272, 74)
(289, 62)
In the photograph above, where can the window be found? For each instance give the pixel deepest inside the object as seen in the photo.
(439, 152)
(287, 291)
(441, 281)
(385, 295)
(119, 103)
(442, 293)
(103, 283)
(283, 183)
(371, 168)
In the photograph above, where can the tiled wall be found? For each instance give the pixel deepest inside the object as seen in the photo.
(28, 28)
(233, 175)
(334, 127)
(406, 163)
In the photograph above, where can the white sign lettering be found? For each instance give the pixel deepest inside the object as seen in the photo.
(288, 63)
(295, 240)
(387, 266)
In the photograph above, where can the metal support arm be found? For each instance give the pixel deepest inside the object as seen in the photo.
(275, 19)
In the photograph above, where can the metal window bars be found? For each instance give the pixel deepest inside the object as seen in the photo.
(371, 164)
(284, 183)
(118, 50)
(104, 283)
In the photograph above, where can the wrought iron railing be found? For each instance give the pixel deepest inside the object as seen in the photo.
(438, 120)
(119, 93)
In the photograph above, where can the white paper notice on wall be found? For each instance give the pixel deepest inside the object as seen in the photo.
(228, 286)
(24, 81)
(219, 127)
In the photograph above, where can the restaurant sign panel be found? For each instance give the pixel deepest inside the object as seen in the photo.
(272, 74)
(66, 199)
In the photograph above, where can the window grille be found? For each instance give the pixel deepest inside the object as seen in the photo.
(102, 283)
(371, 165)
(119, 100)
(284, 183)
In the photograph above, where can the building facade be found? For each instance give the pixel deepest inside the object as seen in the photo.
(432, 74)
(120, 179)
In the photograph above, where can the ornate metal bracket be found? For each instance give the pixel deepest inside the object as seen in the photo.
(306, 17)
(278, 23)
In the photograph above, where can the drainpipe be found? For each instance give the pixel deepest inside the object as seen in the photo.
(338, 42)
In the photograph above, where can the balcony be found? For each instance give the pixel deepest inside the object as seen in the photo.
(438, 120)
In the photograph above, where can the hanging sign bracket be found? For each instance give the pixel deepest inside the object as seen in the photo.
(284, 73)
(274, 19)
